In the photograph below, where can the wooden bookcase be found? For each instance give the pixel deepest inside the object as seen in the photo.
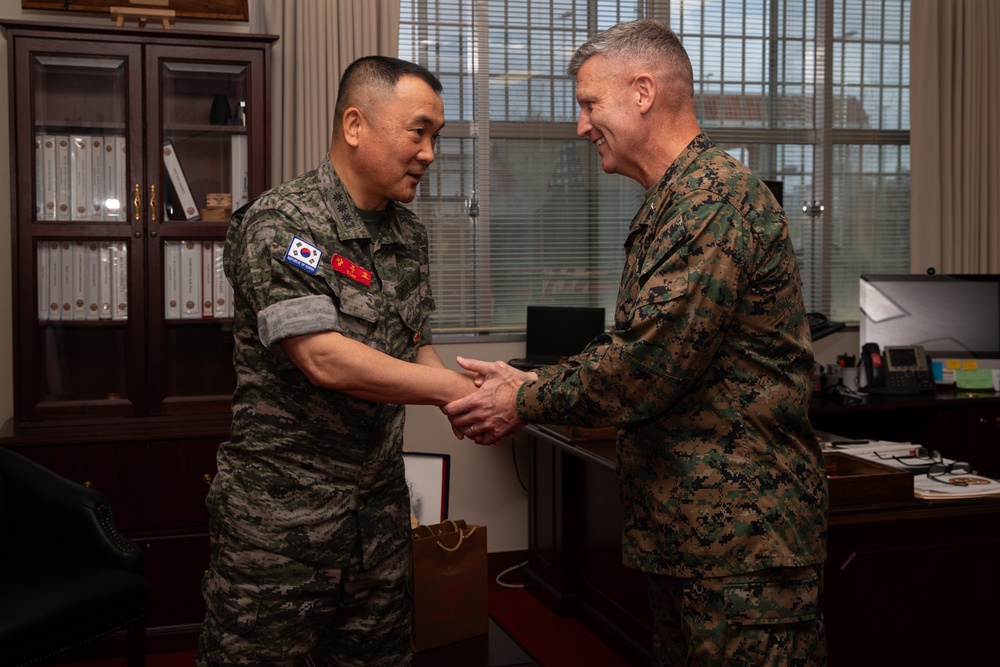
(122, 328)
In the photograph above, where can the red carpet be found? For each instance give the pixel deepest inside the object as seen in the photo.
(551, 641)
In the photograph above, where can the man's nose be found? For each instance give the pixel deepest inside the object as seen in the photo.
(426, 153)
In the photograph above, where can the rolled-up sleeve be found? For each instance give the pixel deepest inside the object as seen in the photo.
(297, 317)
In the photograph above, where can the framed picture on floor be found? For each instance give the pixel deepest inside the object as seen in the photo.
(427, 479)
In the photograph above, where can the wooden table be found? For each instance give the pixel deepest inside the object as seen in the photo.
(905, 583)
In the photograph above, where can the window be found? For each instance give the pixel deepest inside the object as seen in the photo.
(812, 94)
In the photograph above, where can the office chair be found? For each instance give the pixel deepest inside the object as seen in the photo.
(67, 576)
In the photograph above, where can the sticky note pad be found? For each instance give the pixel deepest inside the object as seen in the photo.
(977, 378)
(970, 365)
(953, 364)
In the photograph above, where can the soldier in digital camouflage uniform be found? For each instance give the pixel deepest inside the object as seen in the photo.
(706, 375)
(310, 510)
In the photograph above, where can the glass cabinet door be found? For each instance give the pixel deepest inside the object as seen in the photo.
(75, 201)
(206, 114)
(130, 152)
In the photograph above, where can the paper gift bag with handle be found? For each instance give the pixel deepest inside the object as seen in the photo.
(449, 583)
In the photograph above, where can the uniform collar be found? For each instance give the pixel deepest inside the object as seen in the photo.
(664, 188)
(684, 161)
(347, 222)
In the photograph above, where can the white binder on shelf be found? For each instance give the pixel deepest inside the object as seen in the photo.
(39, 179)
(172, 280)
(49, 177)
(54, 251)
(63, 177)
(93, 280)
(80, 177)
(207, 276)
(179, 182)
(42, 280)
(190, 280)
(110, 198)
(97, 195)
(66, 280)
(79, 280)
(106, 288)
(119, 280)
(121, 166)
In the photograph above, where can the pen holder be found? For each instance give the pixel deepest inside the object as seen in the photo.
(850, 377)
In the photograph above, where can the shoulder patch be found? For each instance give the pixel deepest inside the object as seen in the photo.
(303, 254)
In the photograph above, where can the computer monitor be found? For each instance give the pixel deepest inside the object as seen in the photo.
(554, 332)
(949, 315)
(557, 332)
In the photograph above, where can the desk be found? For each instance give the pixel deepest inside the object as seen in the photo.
(909, 583)
(574, 540)
(961, 425)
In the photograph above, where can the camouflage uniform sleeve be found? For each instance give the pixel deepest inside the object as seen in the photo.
(678, 302)
(288, 300)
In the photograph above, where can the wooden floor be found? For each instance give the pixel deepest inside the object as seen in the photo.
(496, 649)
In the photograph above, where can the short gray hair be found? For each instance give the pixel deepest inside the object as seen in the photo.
(642, 40)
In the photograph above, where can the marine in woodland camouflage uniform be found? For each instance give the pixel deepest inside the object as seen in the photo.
(310, 510)
(706, 374)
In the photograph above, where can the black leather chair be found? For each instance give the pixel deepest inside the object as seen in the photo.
(67, 575)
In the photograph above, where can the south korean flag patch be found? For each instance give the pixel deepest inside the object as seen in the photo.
(303, 254)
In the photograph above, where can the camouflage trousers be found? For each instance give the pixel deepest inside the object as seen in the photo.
(267, 609)
(771, 617)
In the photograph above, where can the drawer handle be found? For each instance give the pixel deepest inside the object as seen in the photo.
(986, 422)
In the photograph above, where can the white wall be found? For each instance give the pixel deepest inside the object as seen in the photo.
(825, 350)
(484, 483)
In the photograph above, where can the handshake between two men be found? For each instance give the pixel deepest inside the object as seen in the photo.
(489, 413)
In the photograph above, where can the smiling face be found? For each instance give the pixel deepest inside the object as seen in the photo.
(608, 114)
(394, 143)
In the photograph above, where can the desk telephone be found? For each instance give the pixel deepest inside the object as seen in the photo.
(899, 370)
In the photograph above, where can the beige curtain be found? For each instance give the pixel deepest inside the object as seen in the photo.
(955, 136)
(318, 39)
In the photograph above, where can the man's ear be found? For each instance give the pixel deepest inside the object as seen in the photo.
(352, 126)
(645, 89)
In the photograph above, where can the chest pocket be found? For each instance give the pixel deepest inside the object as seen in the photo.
(360, 310)
(650, 280)
(415, 304)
